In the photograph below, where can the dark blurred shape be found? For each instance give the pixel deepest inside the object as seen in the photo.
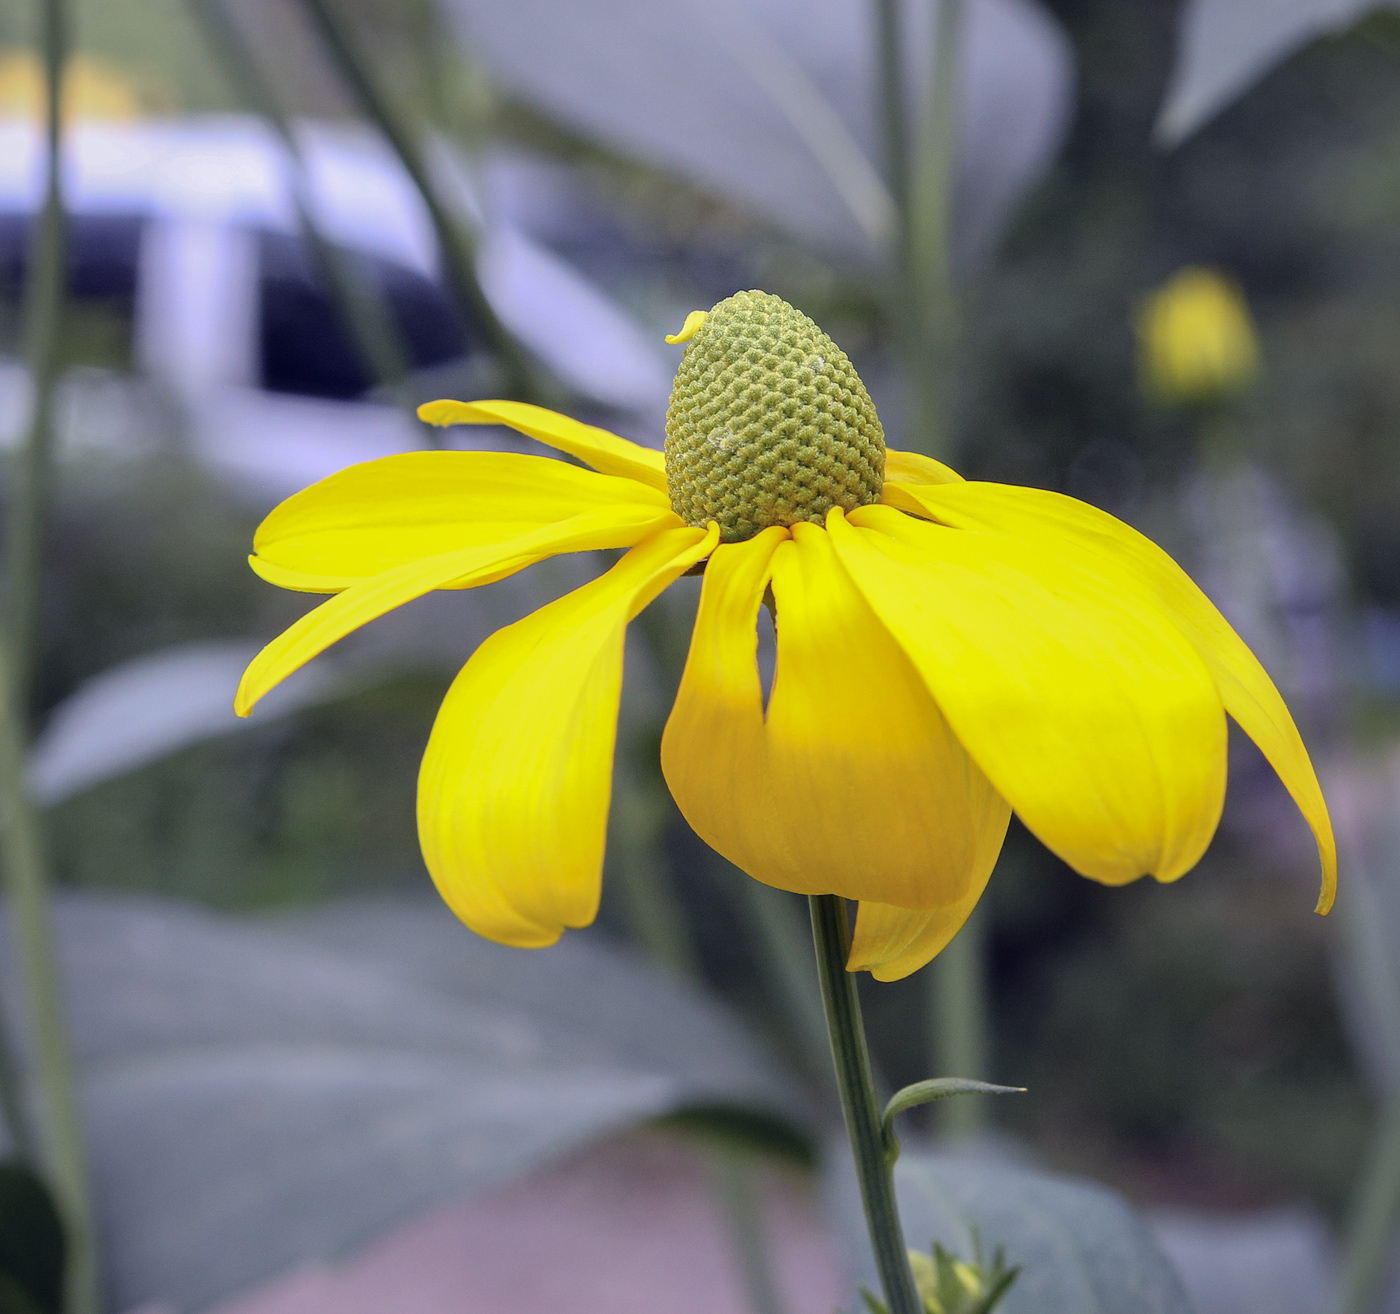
(102, 253)
(32, 1248)
(306, 347)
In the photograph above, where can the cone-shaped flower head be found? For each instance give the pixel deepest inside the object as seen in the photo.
(1196, 339)
(769, 424)
(947, 652)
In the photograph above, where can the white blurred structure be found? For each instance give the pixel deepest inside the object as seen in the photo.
(197, 221)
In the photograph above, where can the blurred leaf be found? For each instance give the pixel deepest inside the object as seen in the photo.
(261, 1096)
(32, 1248)
(1079, 1245)
(143, 709)
(1226, 46)
(773, 103)
(1276, 1262)
(1080, 1248)
(589, 342)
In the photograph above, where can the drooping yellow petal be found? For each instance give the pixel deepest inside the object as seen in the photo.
(382, 514)
(912, 468)
(596, 447)
(716, 724)
(513, 794)
(619, 526)
(1089, 712)
(853, 783)
(890, 943)
(1074, 531)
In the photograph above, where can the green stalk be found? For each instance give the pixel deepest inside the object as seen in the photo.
(21, 843)
(654, 915)
(1371, 1231)
(458, 245)
(732, 1179)
(32, 929)
(639, 818)
(894, 120)
(832, 938)
(927, 258)
(43, 314)
(786, 963)
(360, 306)
(958, 997)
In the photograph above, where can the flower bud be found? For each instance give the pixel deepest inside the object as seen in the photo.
(1196, 339)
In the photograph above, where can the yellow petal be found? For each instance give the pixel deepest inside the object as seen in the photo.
(1074, 531)
(513, 793)
(853, 783)
(373, 517)
(596, 447)
(890, 943)
(1087, 710)
(347, 611)
(911, 468)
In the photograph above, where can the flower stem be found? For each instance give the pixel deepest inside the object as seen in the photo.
(958, 1007)
(832, 938)
(1371, 1231)
(359, 301)
(21, 840)
(457, 243)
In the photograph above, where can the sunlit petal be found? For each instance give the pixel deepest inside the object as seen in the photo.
(1089, 712)
(853, 784)
(513, 793)
(1073, 531)
(596, 447)
(382, 514)
(620, 526)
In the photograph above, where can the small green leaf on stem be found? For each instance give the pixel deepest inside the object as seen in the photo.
(925, 1092)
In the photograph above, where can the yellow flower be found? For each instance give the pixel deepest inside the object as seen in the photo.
(947, 651)
(1196, 339)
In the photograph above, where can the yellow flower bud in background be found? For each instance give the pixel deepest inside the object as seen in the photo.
(1196, 339)
(93, 88)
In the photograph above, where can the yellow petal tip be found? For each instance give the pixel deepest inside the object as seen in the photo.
(447, 412)
(694, 322)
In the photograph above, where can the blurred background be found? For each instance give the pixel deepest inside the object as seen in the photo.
(288, 222)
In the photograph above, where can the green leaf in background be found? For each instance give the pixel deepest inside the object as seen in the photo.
(1079, 1247)
(259, 1096)
(773, 103)
(1226, 46)
(31, 1245)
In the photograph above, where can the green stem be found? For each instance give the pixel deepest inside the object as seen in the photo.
(1371, 1233)
(958, 1004)
(360, 306)
(43, 315)
(932, 312)
(786, 962)
(832, 938)
(458, 245)
(894, 119)
(31, 925)
(24, 1143)
(639, 818)
(732, 1177)
(21, 845)
(654, 915)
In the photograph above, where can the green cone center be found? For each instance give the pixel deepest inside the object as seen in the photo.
(768, 423)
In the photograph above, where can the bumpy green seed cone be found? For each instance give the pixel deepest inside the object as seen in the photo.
(768, 423)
